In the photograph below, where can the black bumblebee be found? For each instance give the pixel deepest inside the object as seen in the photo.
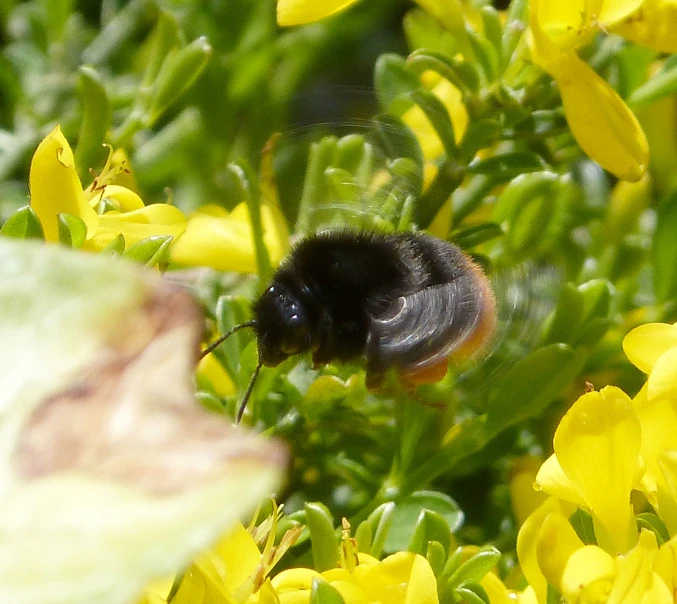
(401, 301)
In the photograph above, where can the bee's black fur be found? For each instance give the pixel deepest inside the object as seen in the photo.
(327, 293)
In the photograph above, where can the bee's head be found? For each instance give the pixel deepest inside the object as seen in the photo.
(281, 325)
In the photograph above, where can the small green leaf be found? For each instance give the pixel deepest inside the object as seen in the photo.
(116, 246)
(151, 250)
(364, 537)
(409, 509)
(23, 224)
(209, 401)
(393, 82)
(474, 569)
(322, 536)
(597, 297)
(457, 72)
(179, 71)
(72, 230)
(506, 166)
(452, 563)
(567, 317)
(95, 120)
(476, 235)
(520, 191)
(430, 526)
(438, 116)
(167, 37)
(436, 555)
(515, 26)
(581, 521)
(315, 183)
(664, 252)
(493, 30)
(651, 522)
(381, 520)
(532, 384)
(530, 227)
(473, 593)
(485, 53)
(322, 592)
(662, 84)
(479, 135)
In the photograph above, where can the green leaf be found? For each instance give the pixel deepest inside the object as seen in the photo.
(151, 250)
(430, 526)
(322, 536)
(409, 509)
(23, 224)
(167, 38)
(436, 554)
(231, 311)
(662, 84)
(520, 191)
(567, 317)
(457, 71)
(116, 246)
(72, 230)
(209, 401)
(474, 569)
(381, 520)
(95, 120)
(664, 252)
(472, 593)
(651, 522)
(508, 165)
(532, 384)
(485, 54)
(476, 235)
(438, 116)
(393, 82)
(515, 26)
(597, 298)
(529, 227)
(179, 71)
(582, 523)
(315, 185)
(492, 28)
(322, 592)
(479, 135)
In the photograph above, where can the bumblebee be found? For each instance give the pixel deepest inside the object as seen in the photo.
(405, 301)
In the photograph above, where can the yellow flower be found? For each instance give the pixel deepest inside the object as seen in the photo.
(600, 121)
(298, 12)
(210, 237)
(652, 348)
(402, 578)
(597, 447)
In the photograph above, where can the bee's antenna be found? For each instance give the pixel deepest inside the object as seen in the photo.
(248, 392)
(223, 338)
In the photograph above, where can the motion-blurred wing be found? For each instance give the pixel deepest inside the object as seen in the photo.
(431, 325)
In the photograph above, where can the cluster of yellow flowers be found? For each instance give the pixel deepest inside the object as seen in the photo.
(110, 208)
(614, 457)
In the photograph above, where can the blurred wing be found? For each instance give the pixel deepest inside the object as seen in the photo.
(429, 325)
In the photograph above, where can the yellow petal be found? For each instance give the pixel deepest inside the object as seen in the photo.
(597, 443)
(523, 496)
(156, 219)
(528, 596)
(645, 344)
(226, 244)
(403, 578)
(662, 382)
(613, 11)
(192, 589)
(565, 23)
(658, 421)
(210, 368)
(635, 574)
(55, 186)
(297, 12)
(294, 579)
(667, 490)
(557, 541)
(588, 575)
(552, 480)
(652, 25)
(665, 564)
(600, 121)
(126, 199)
(527, 546)
(498, 593)
(233, 559)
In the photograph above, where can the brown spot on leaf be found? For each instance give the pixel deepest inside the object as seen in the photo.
(132, 417)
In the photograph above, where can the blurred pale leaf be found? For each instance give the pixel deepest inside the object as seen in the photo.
(111, 474)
